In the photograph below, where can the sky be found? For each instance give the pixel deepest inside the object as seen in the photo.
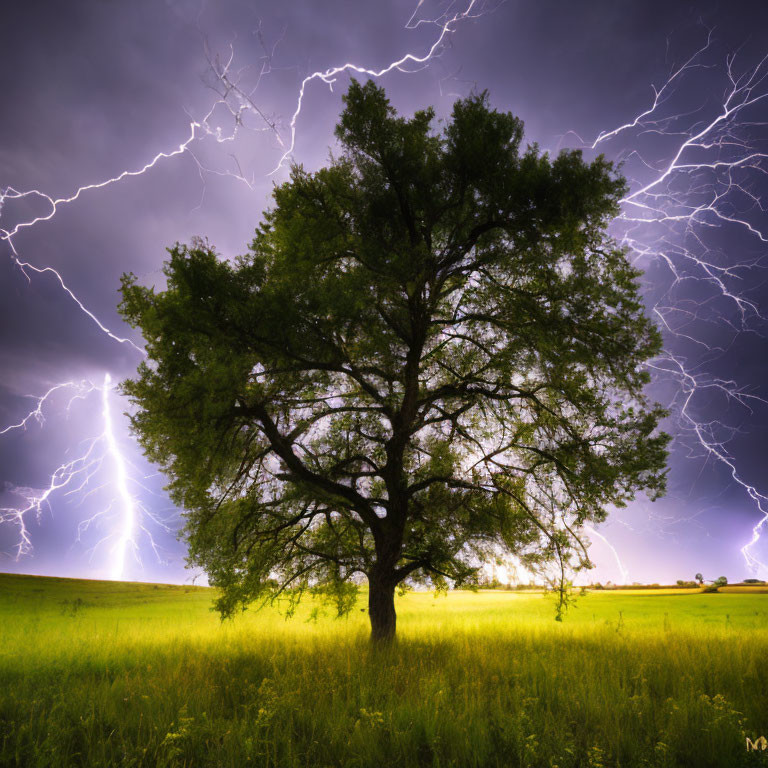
(127, 127)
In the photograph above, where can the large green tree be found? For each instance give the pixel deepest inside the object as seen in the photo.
(431, 355)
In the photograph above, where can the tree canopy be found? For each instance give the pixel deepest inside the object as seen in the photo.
(431, 355)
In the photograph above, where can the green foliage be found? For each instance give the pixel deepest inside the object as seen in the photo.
(721, 581)
(431, 354)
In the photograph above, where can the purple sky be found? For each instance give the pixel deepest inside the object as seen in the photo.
(94, 89)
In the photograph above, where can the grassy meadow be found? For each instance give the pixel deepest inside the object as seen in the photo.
(117, 674)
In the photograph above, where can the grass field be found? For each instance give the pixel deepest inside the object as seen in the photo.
(113, 674)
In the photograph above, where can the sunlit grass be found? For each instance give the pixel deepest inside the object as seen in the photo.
(101, 674)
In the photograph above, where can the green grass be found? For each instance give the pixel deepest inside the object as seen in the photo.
(108, 674)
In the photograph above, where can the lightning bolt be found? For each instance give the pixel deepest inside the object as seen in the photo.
(671, 218)
(126, 501)
(329, 76)
(237, 103)
(81, 388)
(100, 467)
(594, 532)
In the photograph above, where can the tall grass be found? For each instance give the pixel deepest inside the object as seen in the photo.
(95, 674)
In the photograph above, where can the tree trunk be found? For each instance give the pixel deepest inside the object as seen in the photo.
(381, 609)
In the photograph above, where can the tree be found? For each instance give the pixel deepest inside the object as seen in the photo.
(698, 577)
(720, 581)
(432, 353)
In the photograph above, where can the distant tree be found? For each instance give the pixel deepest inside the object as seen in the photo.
(753, 581)
(698, 577)
(720, 581)
(432, 353)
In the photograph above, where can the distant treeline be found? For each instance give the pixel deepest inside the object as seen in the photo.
(680, 584)
(496, 584)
